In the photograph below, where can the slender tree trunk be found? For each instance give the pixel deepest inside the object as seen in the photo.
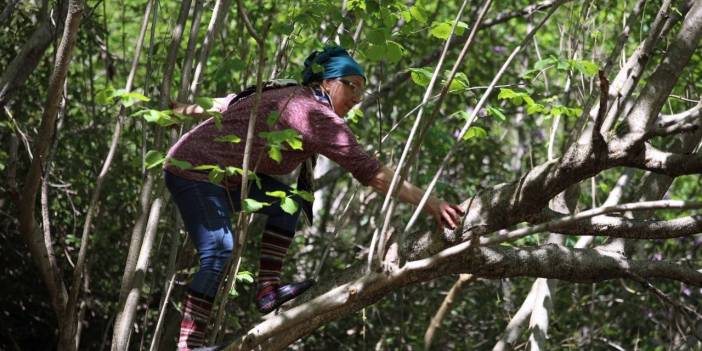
(445, 307)
(126, 318)
(137, 232)
(28, 226)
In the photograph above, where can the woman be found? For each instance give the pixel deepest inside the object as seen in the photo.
(332, 84)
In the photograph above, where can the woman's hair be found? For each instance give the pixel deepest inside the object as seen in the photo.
(332, 62)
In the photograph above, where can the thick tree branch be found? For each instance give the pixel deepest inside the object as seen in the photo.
(547, 261)
(668, 163)
(659, 85)
(688, 116)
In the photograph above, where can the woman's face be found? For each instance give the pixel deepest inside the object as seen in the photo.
(345, 92)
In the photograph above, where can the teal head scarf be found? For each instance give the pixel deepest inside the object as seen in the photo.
(335, 61)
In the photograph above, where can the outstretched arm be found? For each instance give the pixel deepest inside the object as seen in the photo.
(444, 213)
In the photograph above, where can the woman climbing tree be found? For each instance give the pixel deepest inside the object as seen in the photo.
(332, 83)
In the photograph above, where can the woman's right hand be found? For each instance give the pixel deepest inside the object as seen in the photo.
(445, 214)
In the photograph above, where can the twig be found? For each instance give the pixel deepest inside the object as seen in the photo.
(671, 130)
(476, 109)
(636, 206)
(400, 170)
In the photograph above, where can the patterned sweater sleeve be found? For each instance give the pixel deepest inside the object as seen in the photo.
(330, 136)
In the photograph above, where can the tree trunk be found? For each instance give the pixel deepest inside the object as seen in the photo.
(28, 226)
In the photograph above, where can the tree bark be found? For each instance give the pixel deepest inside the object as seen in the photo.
(26, 61)
(28, 226)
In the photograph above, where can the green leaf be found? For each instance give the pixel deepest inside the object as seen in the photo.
(153, 158)
(541, 64)
(357, 4)
(245, 277)
(421, 76)
(346, 40)
(441, 30)
(288, 205)
(418, 14)
(475, 132)
(205, 102)
(295, 143)
(184, 165)
(506, 93)
(217, 117)
(389, 18)
(162, 118)
(251, 205)
(376, 36)
(588, 68)
(354, 115)
(305, 195)
(495, 111)
(131, 98)
(274, 153)
(105, 97)
(394, 52)
(205, 167)
(231, 170)
(272, 118)
(376, 52)
(231, 138)
(216, 175)
(535, 108)
(278, 193)
(406, 15)
(459, 82)
(461, 114)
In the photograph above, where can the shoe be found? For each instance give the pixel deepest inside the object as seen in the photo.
(271, 297)
(266, 299)
(290, 291)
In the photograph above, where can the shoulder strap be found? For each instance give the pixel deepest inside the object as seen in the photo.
(268, 85)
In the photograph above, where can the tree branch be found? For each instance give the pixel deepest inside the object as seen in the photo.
(622, 227)
(663, 162)
(551, 261)
(637, 206)
(661, 82)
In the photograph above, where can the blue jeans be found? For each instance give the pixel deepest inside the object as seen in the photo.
(206, 212)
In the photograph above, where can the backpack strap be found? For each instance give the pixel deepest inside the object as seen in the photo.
(268, 85)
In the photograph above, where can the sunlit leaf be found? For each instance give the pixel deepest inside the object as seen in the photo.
(441, 30)
(216, 175)
(496, 112)
(184, 165)
(278, 193)
(251, 205)
(418, 14)
(421, 76)
(231, 138)
(245, 277)
(153, 158)
(475, 132)
(288, 205)
(305, 195)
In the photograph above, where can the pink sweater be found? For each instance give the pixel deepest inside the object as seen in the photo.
(320, 129)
